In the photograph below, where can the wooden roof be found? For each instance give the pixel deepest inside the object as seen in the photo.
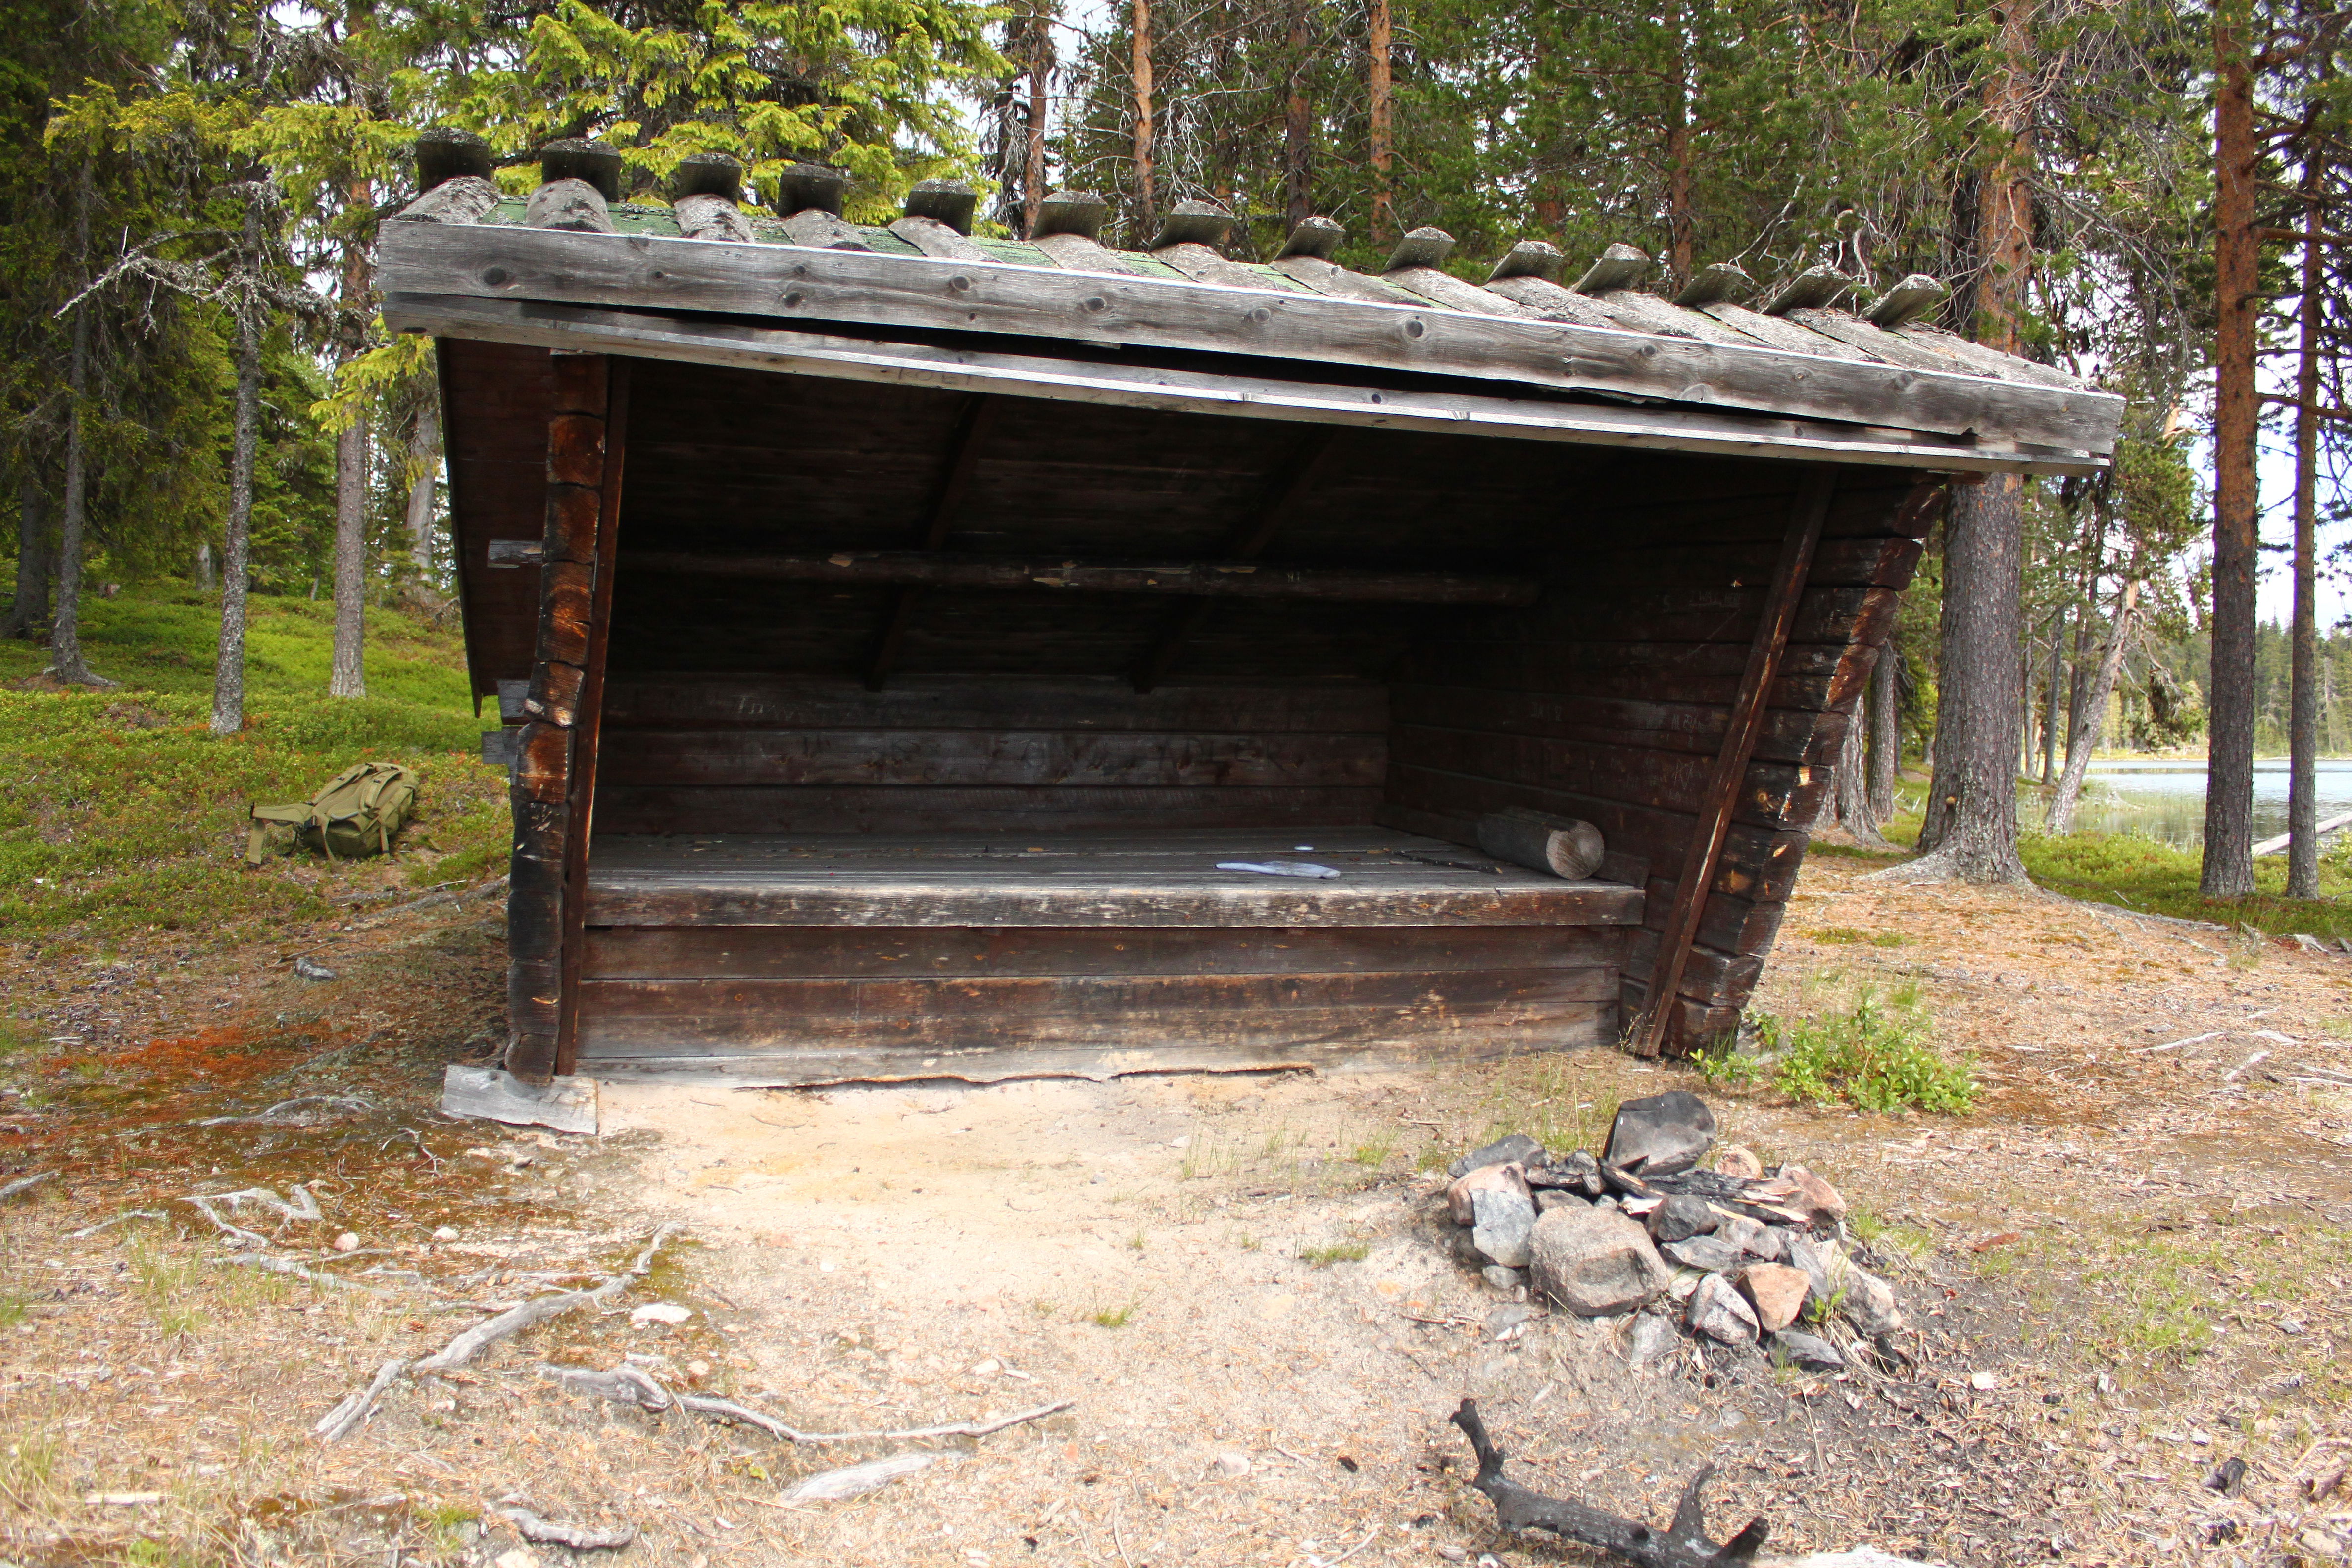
(1180, 326)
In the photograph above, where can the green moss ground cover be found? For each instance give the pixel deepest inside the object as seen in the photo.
(120, 812)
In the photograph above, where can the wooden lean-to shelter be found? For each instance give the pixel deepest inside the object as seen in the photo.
(894, 628)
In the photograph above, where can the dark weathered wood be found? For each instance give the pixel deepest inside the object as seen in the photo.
(903, 809)
(841, 952)
(951, 702)
(1732, 764)
(1237, 899)
(964, 448)
(974, 757)
(1222, 579)
(1328, 1039)
(1127, 384)
(554, 694)
(580, 795)
(575, 444)
(543, 761)
(566, 600)
(511, 553)
(1564, 846)
(517, 263)
(1287, 488)
(571, 534)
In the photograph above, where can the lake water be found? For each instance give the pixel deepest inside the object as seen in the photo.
(2165, 800)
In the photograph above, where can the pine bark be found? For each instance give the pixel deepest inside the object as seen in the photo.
(2051, 688)
(1971, 829)
(1885, 734)
(1041, 71)
(1298, 127)
(65, 661)
(228, 664)
(349, 675)
(423, 465)
(2093, 717)
(29, 613)
(1145, 202)
(1855, 811)
(1681, 226)
(2229, 864)
(1378, 48)
(2303, 700)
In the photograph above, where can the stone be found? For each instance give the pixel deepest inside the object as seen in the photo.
(1232, 1464)
(446, 1233)
(1465, 1249)
(1575, 1171)
(1752, 1237)
(1869, 1303)
(1777, 1291)
(1504, 1221)
(1549, 1199)
(1503, 1279)
(1594, 1262)
(1738, 1160)
(1797, 1189)
(1817, 1258)
(1710, 1254)
(1810, 1351)
(1719, 1311)
(1660, 1134)
(1519, 1149)
(660, 1312)
(1652, 1339)
(1509, 1322)
(1486, 1178)
(516, 1557)
(346, 1242)
(1680, 1217)
(1605, 1201)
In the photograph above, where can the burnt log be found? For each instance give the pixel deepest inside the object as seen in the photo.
(1681, 1544)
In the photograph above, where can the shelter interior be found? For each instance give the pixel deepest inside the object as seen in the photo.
(875, 826)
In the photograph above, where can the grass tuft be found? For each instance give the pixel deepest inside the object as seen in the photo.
(1877, 1055)
(1338, 1252)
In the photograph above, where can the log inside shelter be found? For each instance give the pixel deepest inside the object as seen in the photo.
(901, 656)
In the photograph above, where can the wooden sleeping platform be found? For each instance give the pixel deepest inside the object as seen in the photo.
(787, 958)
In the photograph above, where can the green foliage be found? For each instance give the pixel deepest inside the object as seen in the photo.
(1877, 1055)
(1336, 1252)
(120, 811)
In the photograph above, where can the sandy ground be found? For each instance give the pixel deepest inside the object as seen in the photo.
(2127, 1266)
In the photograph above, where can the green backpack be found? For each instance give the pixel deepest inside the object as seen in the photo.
(358, 812)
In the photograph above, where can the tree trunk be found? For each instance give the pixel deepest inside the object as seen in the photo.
(1885, 734)
(65, 630)
(1298, 127)
(349, 675)
(1855, 810)
(1145, 202)
(2049, 699)
(28, 616)
(2228, 868)
(204, 566)
(2303, 702)
(1378, 45)
(229, 666)
(423, 465)
(1971, 831)
(2088, 727)
(1041, 71)
(1682, 243)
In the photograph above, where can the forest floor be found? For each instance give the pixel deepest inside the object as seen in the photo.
(2128, 1265)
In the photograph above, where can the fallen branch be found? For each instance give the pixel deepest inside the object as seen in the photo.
(1684, 1543)
(352, 1103)
(86, 1232)
(345, 1419)
(578, 1537)
(299, 1271)
(23, 1184)
(481, 1336)
(627, 1385)
(306, 1207)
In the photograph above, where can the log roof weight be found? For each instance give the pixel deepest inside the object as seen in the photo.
(1798, 371)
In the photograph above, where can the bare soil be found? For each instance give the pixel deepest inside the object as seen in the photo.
(2127, 1266)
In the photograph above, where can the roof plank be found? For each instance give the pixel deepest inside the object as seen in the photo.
(791, 284)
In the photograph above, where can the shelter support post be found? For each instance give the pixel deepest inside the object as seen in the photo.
(555, 779)
(1721, 793)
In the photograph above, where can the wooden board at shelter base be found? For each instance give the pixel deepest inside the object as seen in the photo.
(811, 959)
